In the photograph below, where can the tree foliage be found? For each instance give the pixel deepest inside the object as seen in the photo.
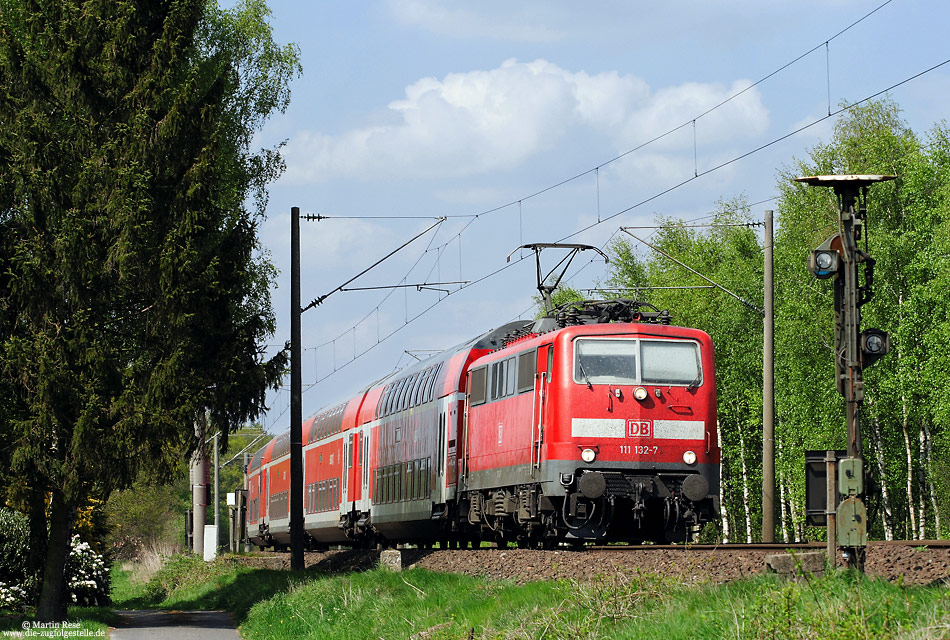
(134, 293)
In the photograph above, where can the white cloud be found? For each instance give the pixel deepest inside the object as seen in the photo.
(481, 121)
(453, 22)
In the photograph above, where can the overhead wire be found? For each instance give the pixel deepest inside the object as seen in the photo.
(697, 174)
(647, 200)
(657, 138)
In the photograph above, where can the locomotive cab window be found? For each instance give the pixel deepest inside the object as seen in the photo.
(599, 361)
(668, 362)
(621, 361)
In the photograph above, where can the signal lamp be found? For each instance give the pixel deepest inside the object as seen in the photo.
(874, 344)
(689, 457)
(588, 455)
(823, 263)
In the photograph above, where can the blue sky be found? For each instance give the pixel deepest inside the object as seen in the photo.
(423, 108)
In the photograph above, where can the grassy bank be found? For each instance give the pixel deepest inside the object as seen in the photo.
(425, 605)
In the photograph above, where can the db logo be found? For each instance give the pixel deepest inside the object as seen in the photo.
(639, 429)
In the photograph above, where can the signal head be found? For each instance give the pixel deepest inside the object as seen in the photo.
(874, 344)
(824, 263)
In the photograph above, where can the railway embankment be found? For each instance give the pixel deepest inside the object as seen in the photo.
(517, 593)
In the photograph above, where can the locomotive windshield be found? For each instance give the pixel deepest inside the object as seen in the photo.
(627, 361)
(666, 362)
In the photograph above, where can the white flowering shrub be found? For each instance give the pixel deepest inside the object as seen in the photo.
(12, 597)
(87, 576)
(17, 589)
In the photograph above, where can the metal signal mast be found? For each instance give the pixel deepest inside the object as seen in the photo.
(839, 257)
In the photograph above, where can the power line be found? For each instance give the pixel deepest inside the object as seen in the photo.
(691, 122)
(472, 218)
(616, 214)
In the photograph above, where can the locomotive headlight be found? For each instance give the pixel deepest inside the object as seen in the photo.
(640, 393)
(689, 457)
(588, 455)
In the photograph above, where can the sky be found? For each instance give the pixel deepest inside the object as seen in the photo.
(541, 121)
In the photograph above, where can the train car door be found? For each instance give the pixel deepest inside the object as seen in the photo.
(356, 444)
(265, 489)
(347, 464)
(440, 456)
(452, 406)
(541, 390)
(362, 500)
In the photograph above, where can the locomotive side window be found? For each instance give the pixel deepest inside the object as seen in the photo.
(527, 365)
(503, 379)
(510, 377)
(605, 361)
(666, 362)
(478, 385)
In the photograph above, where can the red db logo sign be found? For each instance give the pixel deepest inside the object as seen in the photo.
(639, 429)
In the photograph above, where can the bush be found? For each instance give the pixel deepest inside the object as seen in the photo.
(87, 576)
(17, 588)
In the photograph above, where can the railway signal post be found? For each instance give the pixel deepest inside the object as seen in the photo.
(840, 257)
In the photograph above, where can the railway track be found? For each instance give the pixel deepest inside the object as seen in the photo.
(755, 546)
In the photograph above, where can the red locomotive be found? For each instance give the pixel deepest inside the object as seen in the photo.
(594, 423)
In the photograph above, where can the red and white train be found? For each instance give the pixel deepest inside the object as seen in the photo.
(596, 423)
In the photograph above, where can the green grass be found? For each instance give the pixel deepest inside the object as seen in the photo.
(431, 606)
(187, 582)
(91, 621)
(424, 605)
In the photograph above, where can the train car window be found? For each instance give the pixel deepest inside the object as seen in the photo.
(420, 394)
(397, 482)
(430, 387)
(394, 397)
(410, 482)
(381, 405)
(414, 397)
(667, 362)
(426, 482)
(384, 400)
(427, 386)
(390, 397)
(605, 361)
(413, 385)
(527, 366)
(400, 400)
(477, 385)
(550, 361)
(404, 393)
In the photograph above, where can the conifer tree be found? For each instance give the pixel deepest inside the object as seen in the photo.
(134, 290)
